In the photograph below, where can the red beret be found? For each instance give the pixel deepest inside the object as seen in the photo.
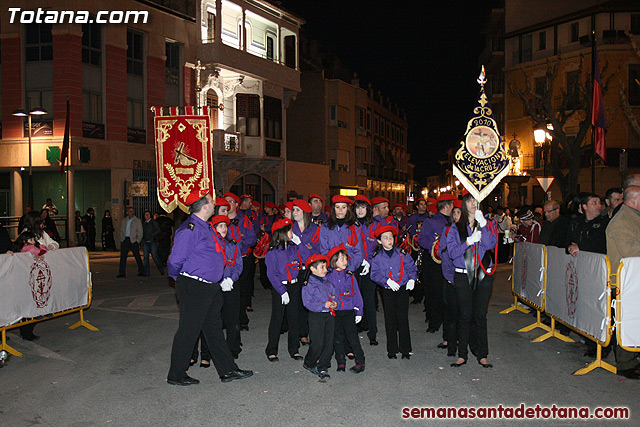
(457, 204)
(338, 198)
(432, 208)
(194, 197)
(302, 204)
(378, 200)
(335, 250)
(256, 204)
(420, 199)
(446, 197)
(431, 200)
(232, 196)
(221, 201)
(315, 257)
(384, 228)
(218, 219)
(269, 205)
(315, 196)
(361, 198)
(465, 192)
(281, 207)
(400, 205)
(246, 196)
(288, 205)
(282, 222)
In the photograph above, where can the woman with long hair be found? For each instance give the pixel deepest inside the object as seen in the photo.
(469, 243)
(340, 228)
(283, 266)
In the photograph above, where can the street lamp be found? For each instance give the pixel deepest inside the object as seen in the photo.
(541, 136)
(37, 111)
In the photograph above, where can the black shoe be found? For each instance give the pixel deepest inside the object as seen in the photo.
(296, 357)
(457, 365)
(121, 275)
(238, 374)
(416, 301)
(273, 358)
(249, 309)
(162, 273)
(485, 365)
(244, 327)
(187, 380)
(192, 362)
(306, 342)
(443, 345)
(351, 356)
(341, 368)
(392, 356)
(235, 355)
(432, 330)
(312, 369)
(631, 374)
(406, 356)
(204, 365)
(357, 368)
(324, 375)
(31, 337)
(141, 274)
(373, 342)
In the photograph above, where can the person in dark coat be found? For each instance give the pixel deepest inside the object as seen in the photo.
(90, 227)
(108, 241)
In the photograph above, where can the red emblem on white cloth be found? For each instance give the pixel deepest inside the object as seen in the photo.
(40, 282)
(571, 288)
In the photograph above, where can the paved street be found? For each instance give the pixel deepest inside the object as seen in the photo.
(117, 376)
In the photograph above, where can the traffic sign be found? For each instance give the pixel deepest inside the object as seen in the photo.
(545, 182)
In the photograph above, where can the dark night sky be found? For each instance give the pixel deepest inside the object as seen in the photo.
(424, 58)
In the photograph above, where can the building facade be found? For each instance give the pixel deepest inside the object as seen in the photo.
(559, 33)
(112, 74)
(360, 135)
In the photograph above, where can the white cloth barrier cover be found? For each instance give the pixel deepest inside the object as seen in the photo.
(527, 273)
(629, 283)
(31, 287)
(576, 290)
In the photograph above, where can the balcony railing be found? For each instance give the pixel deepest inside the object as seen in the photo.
(230, 142)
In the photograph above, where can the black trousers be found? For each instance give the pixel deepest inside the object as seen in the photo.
(244, 286)
(125, 246)
(347, 332)
(264, 279)
(321, 332)
(204, 349)
(277, 314)
(369, 316)
(433, 291)
(91, 239)
(449, 315)
(200, 305)
(471, 328)
(231, 319)
(396, 320)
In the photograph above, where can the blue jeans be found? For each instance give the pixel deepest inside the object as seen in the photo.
(153, 247)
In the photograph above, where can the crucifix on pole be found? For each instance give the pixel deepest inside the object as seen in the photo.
(198, 67)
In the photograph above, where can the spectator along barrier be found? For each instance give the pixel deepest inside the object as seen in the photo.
(36, 289)
(627, 303)
(572, 290)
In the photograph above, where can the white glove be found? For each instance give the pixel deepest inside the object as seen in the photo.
(393, 285)
(482, 221)
(410, 284)
(365, 268)
(358, 319)
(226, 284)
(296, 240)
(285, 298)
(474, 238)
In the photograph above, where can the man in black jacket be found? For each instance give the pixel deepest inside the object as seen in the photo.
(587, 231)
(555, 228)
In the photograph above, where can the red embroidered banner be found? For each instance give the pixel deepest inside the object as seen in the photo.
(184, 161)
